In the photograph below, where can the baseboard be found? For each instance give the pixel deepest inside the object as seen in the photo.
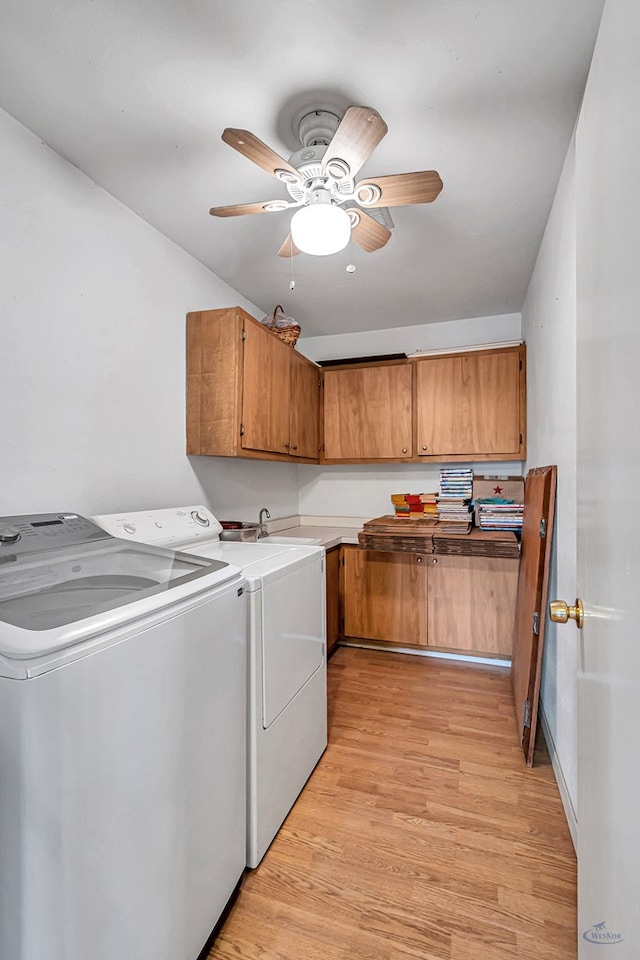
(569, 812)
(436, 654)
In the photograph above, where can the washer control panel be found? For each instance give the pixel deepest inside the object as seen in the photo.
(35, 532)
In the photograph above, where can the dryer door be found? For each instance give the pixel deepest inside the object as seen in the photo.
(293, 637)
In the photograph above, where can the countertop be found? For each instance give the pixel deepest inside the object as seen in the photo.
(320, 534)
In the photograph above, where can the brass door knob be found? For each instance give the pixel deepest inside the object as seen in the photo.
(561, 612)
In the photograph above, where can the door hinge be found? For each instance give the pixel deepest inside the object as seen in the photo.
(535, 624)
(527, 713)
(242, 429)
(319, 382)
(521, 364)
(342, 561)
(520, 439)
(543, 527)
(243, 336)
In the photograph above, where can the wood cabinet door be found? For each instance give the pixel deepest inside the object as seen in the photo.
(470, 404)
(367, 413)
(266, 391)
(472, 603)
(305, 398)
(385, 596)
(332, 566)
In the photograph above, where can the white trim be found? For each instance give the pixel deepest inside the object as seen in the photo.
(565, 796)
(426, 653)
(475, 346)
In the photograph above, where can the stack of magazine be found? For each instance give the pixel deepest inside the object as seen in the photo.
(454, 502)
(496, 513)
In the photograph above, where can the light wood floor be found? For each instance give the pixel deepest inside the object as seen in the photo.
(421, 834)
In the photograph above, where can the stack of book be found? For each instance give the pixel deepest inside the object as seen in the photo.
(454, 503)
(496, 513)
(415, 505)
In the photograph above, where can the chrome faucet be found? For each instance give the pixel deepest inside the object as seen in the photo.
(262, 527)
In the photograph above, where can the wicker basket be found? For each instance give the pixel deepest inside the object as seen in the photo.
(285, 328)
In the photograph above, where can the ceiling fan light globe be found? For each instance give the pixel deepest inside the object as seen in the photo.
(320, 229)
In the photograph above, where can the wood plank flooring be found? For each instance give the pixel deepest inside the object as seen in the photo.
(421, 834)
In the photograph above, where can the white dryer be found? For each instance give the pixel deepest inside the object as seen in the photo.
(287, 691)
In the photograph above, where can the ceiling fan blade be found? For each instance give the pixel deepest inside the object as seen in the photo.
(254, 149)
(367, 232)
(360, 131)
(399, 190)
(288, 249)
(240, 209)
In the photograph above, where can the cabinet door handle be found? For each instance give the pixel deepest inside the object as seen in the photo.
(435, 560)
(294, 447)
(418, 559)
(424, 446)
(286, 446)
(404, 449)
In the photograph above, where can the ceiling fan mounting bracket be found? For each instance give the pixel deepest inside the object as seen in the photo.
(317, 128)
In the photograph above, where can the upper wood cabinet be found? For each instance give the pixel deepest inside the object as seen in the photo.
(367, 413)
(251, 395)
(248, 393)
(465, 406)
(266, 391)
(305, 413)
(471, 404)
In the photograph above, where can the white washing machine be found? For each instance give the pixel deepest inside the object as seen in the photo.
(122, 739)
(287, 685)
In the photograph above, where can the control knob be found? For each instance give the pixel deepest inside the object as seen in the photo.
(203, 521)
(9, 534)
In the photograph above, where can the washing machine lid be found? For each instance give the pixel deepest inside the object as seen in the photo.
(54, 582)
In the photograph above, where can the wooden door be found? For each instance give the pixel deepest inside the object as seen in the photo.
(472, 604)
(385, 596)
(332, 566)
(367, 413)
(266, 391)
(470, 404)
(305, 396)
(608, 466)
(531, 603)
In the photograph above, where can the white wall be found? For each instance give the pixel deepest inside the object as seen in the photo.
(92, 345)
(449, 334)
(549, 327)
(364, 490)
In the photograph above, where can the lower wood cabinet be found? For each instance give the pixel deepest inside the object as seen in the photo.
(456, 603)
(385, 596)
(334, 607)
(471, 604)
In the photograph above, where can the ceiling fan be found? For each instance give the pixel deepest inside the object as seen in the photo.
(332, 207)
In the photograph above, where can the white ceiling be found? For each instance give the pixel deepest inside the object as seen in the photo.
(137, 92)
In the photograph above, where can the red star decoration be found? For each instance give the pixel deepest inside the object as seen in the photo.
(497, 491)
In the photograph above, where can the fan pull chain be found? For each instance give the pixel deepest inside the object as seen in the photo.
(351, 267)
(292, 283)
